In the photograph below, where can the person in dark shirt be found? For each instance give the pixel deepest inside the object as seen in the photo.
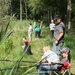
(26, 46)
(59, 32)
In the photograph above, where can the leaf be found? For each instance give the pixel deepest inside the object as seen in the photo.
(6, 72)
(6, 36)
(11, 71)
(34, 65)
(28, 70)
(20, 61)
(7, 27)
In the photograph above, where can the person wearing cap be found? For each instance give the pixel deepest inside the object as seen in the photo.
(59, 32)
(65, 55)
(52, 26)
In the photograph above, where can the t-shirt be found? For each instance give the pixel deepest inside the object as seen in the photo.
(52, 26)
(59, 29)
(64, 60)
(51, 56)
(37, 29)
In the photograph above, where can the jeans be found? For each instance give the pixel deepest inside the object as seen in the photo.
(57, 48)
(44, 67)
(51, 33)
(37, 34)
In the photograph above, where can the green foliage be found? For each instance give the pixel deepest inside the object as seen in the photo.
(69, 42)
(8, 46)
(14, 51)
(6, 36)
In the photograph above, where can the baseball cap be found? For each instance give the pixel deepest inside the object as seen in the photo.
(65, 49)
(57, 17)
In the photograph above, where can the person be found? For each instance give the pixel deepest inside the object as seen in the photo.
(30, 30)
(65, 61)
(25, 39)
(37, 32)
(52, 26)
(34, 25)
(59, 32)
(65, 55)
(26, 46)
(48, 57)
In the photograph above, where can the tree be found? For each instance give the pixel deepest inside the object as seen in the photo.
(69, 13)
(4, 17)
(21, 10)
(26, 8)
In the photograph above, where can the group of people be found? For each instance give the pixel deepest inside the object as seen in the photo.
(36, 29)
(57, 31)
(51, 61)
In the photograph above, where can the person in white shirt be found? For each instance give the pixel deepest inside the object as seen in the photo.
(48, 58)
(30, 30)
(52, 26)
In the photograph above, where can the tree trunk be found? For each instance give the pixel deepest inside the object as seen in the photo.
(26, 8)
(69, 14)
(20, 10)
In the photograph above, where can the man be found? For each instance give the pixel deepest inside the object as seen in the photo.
(30, 30)
(48, 58)
(58, 36)
(52, 26)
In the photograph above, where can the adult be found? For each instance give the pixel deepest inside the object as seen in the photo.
(34, 25)
(59, 32)
(52, 26)
(30, 30)
(37, 32)
(48, 57)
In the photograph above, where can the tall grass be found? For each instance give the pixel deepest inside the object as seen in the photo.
(12, 48)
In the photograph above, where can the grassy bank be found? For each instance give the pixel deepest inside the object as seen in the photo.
(12, 48)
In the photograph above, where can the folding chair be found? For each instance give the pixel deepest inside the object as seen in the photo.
(63, 70)
(66, 68)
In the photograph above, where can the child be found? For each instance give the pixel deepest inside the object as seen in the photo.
(25, 40)
(65, 55)
(26, 46)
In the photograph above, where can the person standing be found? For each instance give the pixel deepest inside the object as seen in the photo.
(59, 32)
(30, 30)
(52, 26)
(34, 25)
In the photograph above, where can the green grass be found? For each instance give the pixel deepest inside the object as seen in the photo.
(12, 48)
